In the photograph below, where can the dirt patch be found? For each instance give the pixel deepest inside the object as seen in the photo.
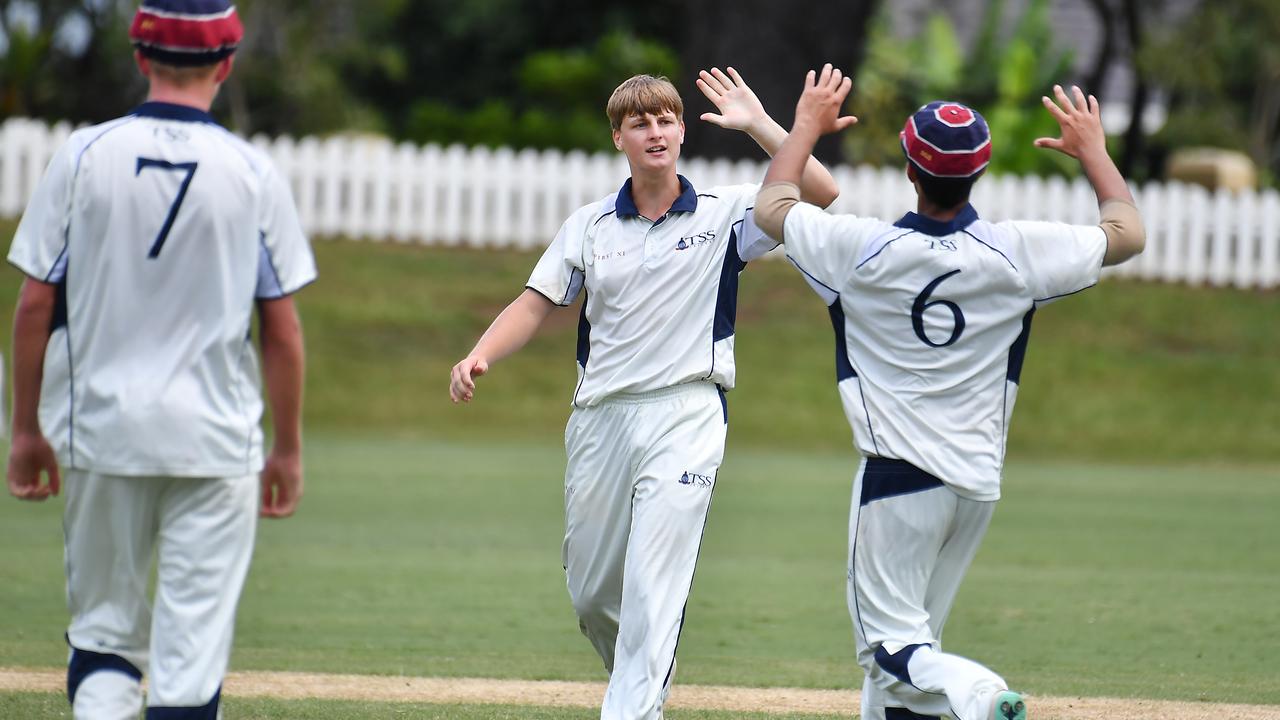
(480, 691)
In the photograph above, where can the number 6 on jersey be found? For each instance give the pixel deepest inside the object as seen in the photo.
(190, 169)
(923, 303)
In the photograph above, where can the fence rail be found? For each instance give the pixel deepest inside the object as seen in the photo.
(369, 188)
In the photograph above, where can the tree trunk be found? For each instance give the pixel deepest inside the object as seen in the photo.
(1265, 120)
(773, 44)
(1106, 20)
(1135, 137)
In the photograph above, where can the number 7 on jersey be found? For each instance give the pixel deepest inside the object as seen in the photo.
(190, 169)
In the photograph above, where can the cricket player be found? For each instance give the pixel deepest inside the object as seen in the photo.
(147, 247)
(931, 315)
(658, 261)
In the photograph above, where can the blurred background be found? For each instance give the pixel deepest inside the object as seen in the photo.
(435, 146)
(442, 128)
(535, 73)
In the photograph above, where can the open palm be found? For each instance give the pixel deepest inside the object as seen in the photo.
(738, 105)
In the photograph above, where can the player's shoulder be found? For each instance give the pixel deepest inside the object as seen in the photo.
(1017, 236)
(83, 139)
(588, 219)
(593, 212)
(255, 158)
(742, 192)
(842, 223)
(1018, 229)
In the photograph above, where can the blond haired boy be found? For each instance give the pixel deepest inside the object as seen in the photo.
(659, 263)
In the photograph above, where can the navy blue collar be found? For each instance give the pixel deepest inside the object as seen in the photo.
(687, 202)
(938, 228)
(171, 111)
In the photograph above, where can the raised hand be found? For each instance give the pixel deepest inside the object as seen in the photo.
(819, 107)
(1081, 121)
(739, 107)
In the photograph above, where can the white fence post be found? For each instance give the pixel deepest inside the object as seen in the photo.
(1246, 251)
(1220, 247)
(1269, 256)
(528, 229)
(13, 195)
(366, 187)
(404, 191)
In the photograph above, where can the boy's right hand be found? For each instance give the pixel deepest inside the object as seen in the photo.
(1081, 121)
(462, 384)
(29, 456)
(819, 107)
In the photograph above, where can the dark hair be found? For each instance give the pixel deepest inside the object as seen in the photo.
(945, 192)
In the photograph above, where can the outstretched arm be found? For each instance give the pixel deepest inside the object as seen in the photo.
(740, 109)
(1083, 139)
(817, 114)
(511, 330)
(29, 452)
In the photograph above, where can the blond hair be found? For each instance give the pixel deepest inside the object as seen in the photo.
(643, 95)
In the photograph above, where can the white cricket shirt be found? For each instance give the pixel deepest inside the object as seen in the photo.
(161, 229)
(662, 294)
(932, 321)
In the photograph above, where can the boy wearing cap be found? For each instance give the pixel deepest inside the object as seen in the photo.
(932, 315)
(148, 245)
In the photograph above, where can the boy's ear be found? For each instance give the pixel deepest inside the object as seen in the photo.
(224, 69)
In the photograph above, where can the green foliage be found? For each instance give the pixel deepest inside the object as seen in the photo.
(1221, 68)
(41, 76)
(19, 67)
(292, 70)
(562, 98)
(1002, 79)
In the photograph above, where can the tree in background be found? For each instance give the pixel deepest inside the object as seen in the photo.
(57, 55)
(562, 93)
(524, 73)
(536, 73)
(773, 44)
(1003, 78)
(1221, 68)
(292, 71)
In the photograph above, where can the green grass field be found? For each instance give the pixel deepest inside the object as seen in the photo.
(442, 558)
(1134, 554)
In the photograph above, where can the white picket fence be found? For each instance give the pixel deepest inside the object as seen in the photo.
(369, 188)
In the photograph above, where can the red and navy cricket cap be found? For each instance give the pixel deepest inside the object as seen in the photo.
(947, 140)
(186, 32)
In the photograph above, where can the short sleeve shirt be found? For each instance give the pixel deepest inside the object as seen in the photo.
(161, 230)
(932, 321)
(661, 294)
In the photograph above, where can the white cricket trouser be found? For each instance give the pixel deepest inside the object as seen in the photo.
(201, 532)
(911, 539)
(638, 485)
